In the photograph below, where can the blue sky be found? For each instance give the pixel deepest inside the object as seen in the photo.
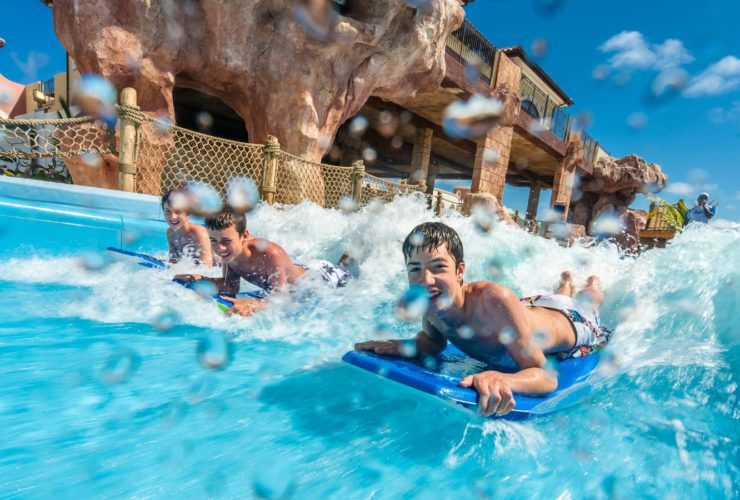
(694, 136)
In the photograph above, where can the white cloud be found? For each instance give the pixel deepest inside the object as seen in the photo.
(632, 51)
(680, 188)
(686, 189)
(724, 115)
(719, 78)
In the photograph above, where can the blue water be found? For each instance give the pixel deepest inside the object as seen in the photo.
(95, 400)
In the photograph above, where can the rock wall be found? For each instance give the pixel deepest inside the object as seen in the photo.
(292, 69)
(615, 185)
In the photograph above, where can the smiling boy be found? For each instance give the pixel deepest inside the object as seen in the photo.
(259, 261)
(184, 238)
(488, 322)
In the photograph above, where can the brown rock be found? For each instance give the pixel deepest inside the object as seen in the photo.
(489, 201)
(258, 59)
(614, 185)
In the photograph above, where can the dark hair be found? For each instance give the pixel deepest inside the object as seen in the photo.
(225, 219)
(433, 235)
(168, 194)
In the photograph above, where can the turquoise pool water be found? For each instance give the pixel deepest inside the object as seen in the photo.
(99, 397)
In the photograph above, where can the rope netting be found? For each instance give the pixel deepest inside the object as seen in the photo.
(378, 188)
(298, 179)
(39, 148)
(168, 156)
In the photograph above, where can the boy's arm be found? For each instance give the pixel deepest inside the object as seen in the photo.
(173, 255)
(204, 243)
(228, 284)
(495, 389)
(428, 342)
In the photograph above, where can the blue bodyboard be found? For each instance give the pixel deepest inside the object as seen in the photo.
(146, 260)
(453, 365)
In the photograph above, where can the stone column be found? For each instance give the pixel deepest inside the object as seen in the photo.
(534, 200)
(490, 176)
(420, 155)
(562, 185)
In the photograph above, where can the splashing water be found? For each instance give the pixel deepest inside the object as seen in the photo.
(136, 413)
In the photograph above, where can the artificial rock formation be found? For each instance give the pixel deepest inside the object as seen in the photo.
(292, 69)
(614, 186)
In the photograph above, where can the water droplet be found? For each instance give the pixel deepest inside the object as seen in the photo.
(369, 155)
(547, 8)
(262, 244)
(383, 331)
(347, 204)
(540, 47)
(407, 348)
(214, 351)
(201, 389)
(416, 239)
(413, 304)
(430, 363)
(204, 119)
(667, 84)
(601, 72)
(242, 194)
(205, 288)
(490, 155)
(120, 366)
(317, 19)
(173, 413)
(552, 366)
(444, 301)
(397, 142)
(637, 120)
(358, 126)
(495, 269)
(203, 199)
(540, 338)
(273, 480)
(97, 97)
(465, 332)
(166, 321)
(324, 141)
(91, 159)
(607, 224)
(387, 123)
(506, 336)
(472, 118)
(421, 5)
(163, 123)
(94, 261)
(560, 230)
(483, 217)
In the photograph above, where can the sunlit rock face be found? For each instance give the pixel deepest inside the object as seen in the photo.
(293, 69)
(615, 185)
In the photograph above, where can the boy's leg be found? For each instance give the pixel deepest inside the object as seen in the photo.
(593, 290)
(566, 286)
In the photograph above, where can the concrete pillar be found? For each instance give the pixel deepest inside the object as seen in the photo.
(420, 155)
(490, 176)
(534, 200)
(561, 188)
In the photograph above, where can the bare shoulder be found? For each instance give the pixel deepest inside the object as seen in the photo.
(487, 290)
(200, 231)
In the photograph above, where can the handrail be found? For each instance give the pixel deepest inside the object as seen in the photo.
(468, 46)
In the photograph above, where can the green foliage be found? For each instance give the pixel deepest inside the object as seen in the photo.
(672, 214)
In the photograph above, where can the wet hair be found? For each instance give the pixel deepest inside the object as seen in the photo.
(225, 219)
(434, 235)
(169, 193)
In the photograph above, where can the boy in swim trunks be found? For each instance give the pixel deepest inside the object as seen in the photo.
(184, 238)
(488, 322)
(259, 261)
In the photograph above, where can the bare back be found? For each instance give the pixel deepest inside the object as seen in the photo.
(264, 264)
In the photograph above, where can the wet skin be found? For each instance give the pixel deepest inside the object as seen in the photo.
(487, 310)
(186, 239)
(259, 261)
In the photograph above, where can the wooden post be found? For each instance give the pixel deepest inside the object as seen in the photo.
(127, 150)
(438, 206)
(269, 176)
(358, 172)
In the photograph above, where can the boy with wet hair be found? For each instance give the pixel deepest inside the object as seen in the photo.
(488, 322)
(185, 239)
(259, 261)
